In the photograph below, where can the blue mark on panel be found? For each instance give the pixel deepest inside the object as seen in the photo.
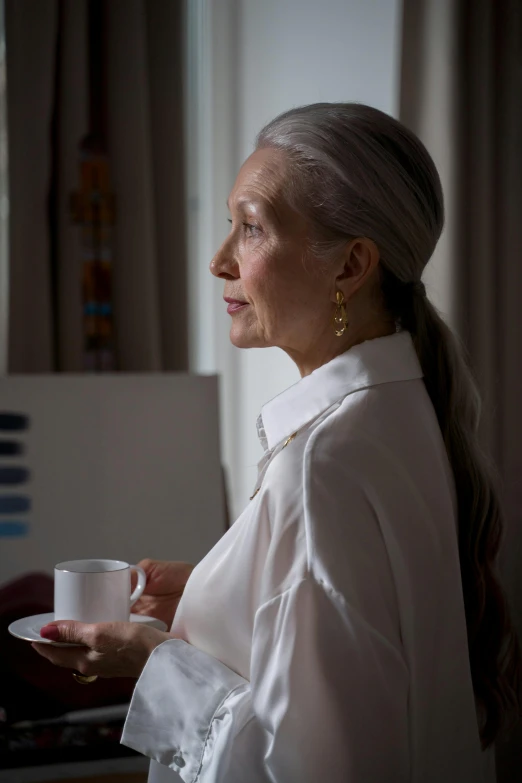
(11, 448)
(14, 504)
(13, 529)
(14, 422)
(11, 476)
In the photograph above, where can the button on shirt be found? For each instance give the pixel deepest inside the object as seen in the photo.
(323, 638)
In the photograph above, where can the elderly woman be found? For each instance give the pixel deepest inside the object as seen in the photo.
(349, 626)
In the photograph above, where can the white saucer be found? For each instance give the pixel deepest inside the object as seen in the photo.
(29, 627)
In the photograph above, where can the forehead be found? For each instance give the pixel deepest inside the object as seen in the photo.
(262, 175)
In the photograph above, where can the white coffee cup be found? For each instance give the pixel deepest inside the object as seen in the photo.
(94, 591)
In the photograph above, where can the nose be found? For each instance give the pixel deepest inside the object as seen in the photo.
(224, 265)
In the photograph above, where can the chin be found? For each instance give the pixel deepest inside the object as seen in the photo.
(243, 338)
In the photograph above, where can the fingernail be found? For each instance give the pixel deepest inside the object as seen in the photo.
(51, 632)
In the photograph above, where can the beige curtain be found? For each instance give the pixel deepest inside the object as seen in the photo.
(461, 92)
(48, 82)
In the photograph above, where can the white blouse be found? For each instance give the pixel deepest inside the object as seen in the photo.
(323, 638)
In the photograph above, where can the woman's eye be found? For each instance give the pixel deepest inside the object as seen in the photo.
(252, 230)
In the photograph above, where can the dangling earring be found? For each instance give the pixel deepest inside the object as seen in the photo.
(340, 318)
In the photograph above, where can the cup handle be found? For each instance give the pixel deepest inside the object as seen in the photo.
(140, 587)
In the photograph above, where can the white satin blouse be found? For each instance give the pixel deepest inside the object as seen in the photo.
(323, 638)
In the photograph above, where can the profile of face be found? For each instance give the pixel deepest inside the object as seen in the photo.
(280, 296)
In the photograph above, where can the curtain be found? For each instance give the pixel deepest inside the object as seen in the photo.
(461, 84)
(4, 201)
(48, 110)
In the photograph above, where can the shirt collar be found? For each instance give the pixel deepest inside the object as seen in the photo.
(382, 360)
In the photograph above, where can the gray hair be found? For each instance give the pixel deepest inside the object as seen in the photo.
(361, 173)
(355, 171)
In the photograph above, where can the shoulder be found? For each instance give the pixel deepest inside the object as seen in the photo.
(382, 433)
(343, 464)
(351, 447)
(338, 457)
(318, 491)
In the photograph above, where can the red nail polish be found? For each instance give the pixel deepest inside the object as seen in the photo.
(50, 632)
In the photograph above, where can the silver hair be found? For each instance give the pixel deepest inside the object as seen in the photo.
(355, 171)
(362, 173)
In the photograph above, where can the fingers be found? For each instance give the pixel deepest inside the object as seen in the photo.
(165, 577)
(68, 631)
(113, 649)
(85, 659)
(147, 564)
(66, 658)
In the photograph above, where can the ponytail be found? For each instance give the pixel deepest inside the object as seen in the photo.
(494, 650)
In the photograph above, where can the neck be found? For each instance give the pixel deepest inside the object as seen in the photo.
(317, 355)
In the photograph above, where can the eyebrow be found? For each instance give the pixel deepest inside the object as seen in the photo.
(246, 200)
(262, 202)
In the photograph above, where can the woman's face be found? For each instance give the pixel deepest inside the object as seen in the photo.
(284, 302)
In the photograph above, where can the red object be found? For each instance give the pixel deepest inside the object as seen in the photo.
(50, 632)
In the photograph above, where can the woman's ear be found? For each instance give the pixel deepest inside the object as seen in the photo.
(360, 261)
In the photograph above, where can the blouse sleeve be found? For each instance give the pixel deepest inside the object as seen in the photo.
(327, 700)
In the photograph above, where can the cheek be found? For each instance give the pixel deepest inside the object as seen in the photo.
(282, 291)
(261, 281)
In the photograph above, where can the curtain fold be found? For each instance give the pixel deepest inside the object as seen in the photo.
(461, 84)
(48, 102)
(30, 31)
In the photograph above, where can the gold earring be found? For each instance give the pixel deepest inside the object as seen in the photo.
(340, 318)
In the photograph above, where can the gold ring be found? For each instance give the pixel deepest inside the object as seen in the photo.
(83, 679)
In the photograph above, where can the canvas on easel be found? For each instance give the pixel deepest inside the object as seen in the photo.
(112, 466)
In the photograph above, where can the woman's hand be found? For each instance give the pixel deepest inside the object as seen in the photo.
(165, 584)
(110, 649)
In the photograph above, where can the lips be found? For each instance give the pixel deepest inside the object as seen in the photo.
(234, 304)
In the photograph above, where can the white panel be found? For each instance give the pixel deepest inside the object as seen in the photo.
(122, 467)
